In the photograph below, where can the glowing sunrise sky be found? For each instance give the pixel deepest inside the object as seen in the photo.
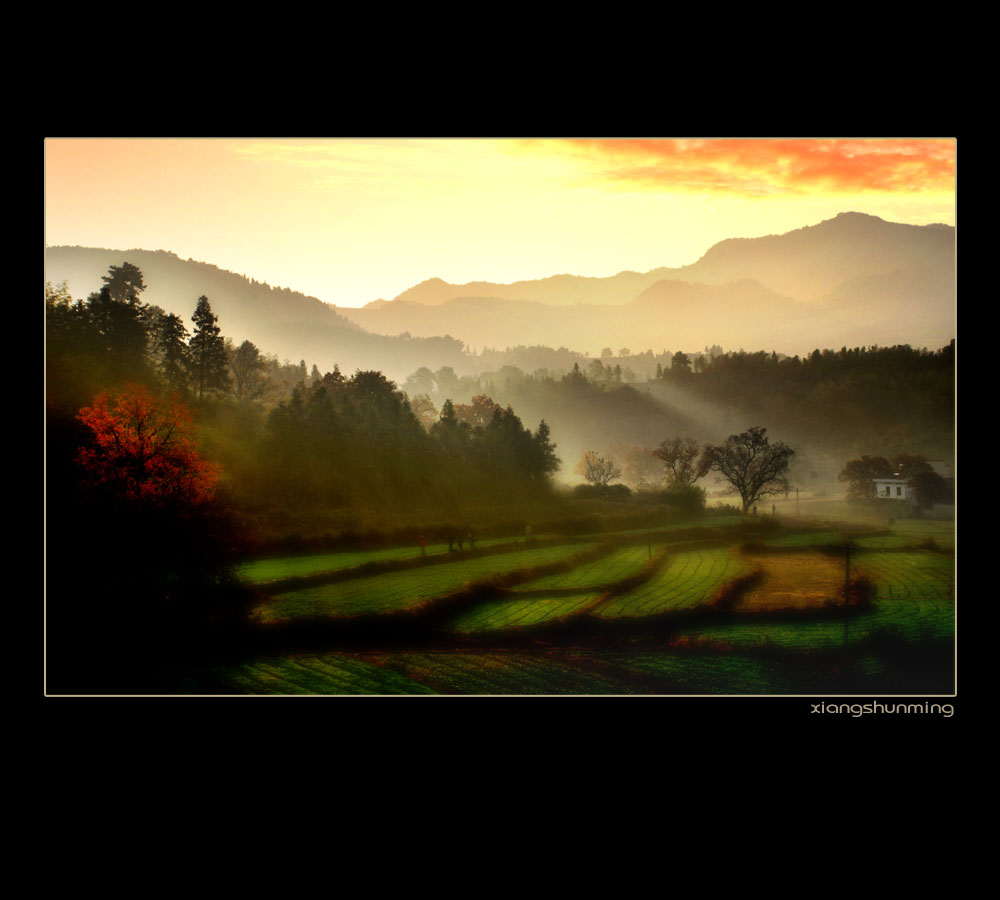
(353, 220)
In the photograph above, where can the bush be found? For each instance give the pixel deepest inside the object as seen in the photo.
(602, 492)
(688, 499)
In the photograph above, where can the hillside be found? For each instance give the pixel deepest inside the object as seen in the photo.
(811, 263)
(279, 321)
(854, 280)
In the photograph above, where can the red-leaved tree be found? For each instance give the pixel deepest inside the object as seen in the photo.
(142, 451)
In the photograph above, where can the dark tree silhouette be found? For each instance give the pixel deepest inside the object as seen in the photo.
(249, 380)
(680, 364)
(170, 350)
(860, 475)
(547, 462)
(124, 283)
(681, 459)
(751, 463)
(929, 488)
(209, 361)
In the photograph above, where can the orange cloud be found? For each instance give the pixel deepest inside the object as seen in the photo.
(761, 167)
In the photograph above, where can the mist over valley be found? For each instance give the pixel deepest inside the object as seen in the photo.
(733, 476)
(851, 281)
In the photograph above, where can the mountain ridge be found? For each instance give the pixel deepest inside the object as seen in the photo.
(279, 321)
(854, 280)
(712, 267)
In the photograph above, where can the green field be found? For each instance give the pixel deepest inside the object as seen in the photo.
(514, 611)
(399, 590)
(674, 641)
(264, 571)
(599, 573)
(688, 579)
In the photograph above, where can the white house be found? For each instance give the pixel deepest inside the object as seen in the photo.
(894, 488)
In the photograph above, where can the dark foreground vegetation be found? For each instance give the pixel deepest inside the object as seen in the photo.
(174, 461)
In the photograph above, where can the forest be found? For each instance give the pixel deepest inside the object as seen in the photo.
(172, 453)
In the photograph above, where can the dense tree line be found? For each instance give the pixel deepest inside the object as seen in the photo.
(113, 338)
(868, 399)
(287, 438)
(864, 400)
(357, 443)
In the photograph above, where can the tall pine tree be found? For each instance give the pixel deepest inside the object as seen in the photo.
(207, 358)
(170, 349)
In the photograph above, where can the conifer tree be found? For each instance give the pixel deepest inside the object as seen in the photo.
(118, 316)
(170, 349)
(208, 359)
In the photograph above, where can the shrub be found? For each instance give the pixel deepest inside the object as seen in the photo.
(602, 492)
(688, 499)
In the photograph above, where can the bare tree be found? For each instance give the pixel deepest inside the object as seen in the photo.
(597, 470)
(751, 463)
(681, 458)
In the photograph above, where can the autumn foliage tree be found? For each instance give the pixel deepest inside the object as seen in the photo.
(141, 451)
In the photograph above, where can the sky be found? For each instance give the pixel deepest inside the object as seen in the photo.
(354, 220)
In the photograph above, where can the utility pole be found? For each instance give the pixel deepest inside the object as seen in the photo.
(847, 602)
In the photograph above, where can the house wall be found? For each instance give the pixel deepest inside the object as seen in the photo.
(891, 489)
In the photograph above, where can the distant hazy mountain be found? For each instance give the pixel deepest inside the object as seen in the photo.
(811, 262)
(666, 315)
(854, 279)
(279, 321)
(556, 290)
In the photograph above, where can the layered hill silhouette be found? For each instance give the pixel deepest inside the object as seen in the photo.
(854, 280)
(281, 322)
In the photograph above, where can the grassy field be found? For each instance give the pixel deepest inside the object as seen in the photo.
(614, 614)
(403, 589)
(266, 571)
(688, 579)
(517, 611)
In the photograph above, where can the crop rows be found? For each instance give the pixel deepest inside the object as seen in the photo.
(513, 673)
(263, 571)
(688, 579)
(506, 672)
(512, 611)
(399, 590)
(910, 575)
(601, 572)
(272, 569)
(910, 619)
(325, 674)
(711, 673)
